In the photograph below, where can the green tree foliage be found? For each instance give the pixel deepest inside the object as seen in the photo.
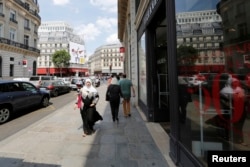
(187, 55)
(61, 58)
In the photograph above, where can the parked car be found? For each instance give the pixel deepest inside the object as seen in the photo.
(55, 87)
(193, 81)
(35, 79)
(21, 79)
(76, 82)
(19, 95)
(65, 80)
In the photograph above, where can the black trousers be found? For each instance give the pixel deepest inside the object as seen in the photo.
(114, 105)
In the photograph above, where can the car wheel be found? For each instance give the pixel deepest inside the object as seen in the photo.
(4, 114)
(45, 102)
(55, 93)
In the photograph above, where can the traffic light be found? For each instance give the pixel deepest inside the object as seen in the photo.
(25, 63)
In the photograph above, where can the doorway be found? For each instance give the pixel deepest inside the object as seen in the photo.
(159, 68)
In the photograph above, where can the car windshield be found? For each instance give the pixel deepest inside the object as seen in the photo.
(45, 78)
(74, 81)
(34, 78)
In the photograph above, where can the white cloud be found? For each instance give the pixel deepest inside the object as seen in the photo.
(89, 31)
(112, 38)
(61, 2)
(107, 5)
(108, 24)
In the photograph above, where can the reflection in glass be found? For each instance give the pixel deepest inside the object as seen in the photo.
(213, 54)
(142, 70)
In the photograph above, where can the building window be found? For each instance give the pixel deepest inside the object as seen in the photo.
(12, 34)
(35, 43)
(13, 16)
(1, 9)
(242, 30)
(26, 40)
(1, 30)
(11, 70)
(214, 60)
(26, 24)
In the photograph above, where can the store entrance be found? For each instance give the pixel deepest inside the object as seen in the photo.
(160, 60)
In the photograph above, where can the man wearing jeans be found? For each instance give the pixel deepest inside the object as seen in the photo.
(126, 87)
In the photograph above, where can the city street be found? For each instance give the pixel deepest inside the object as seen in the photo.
(56, 140)
(25, 118)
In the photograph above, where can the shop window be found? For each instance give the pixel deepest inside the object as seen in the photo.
(142, 70)
(11, 70)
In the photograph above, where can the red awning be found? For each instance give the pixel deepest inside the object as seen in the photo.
(44, 71)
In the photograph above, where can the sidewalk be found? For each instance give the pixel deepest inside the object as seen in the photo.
(56, 141)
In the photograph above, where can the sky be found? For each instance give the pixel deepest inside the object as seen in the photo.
(95, 20)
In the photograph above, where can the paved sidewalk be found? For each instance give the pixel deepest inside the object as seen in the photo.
(56, 141)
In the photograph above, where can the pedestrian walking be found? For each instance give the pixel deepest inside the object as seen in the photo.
(126, 87)
(79, 104)
(86, 101)
(109, 79)
(114, 94)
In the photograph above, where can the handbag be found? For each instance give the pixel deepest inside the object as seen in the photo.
(108, 96)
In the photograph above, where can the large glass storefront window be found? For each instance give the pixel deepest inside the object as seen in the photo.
(142, 70)
(213, 53)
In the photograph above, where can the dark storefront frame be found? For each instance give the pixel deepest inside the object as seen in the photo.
(180, 150)
(176, 148)
(147, 18)
(156, 109)
(209, 134)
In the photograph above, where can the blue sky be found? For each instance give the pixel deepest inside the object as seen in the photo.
(95, 20)
(195, 5)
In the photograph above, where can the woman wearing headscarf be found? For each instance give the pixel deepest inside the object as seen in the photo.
(89, 97)
(114, 92)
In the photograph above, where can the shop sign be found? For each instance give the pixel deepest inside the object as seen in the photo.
(150, 10)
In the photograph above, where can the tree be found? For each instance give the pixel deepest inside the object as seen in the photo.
(61, 59)
(187, 55)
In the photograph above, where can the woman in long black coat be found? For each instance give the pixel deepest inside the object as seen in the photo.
(88, 97)
(114, 93)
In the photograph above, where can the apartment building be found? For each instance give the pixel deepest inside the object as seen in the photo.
(203, 31)
(55, 36)
(107, 59)
(19, 22)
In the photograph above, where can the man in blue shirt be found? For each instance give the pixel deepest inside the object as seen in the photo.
(126, 87)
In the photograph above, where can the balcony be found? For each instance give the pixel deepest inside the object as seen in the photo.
(27, 28)
(24, 6)
(13, 20)
(19, 45)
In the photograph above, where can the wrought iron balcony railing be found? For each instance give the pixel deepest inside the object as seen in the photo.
(19, 45)
(27, 8)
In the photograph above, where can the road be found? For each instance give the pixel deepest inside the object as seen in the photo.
(25, 118)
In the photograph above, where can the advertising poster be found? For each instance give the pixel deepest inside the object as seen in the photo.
(77, 53)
